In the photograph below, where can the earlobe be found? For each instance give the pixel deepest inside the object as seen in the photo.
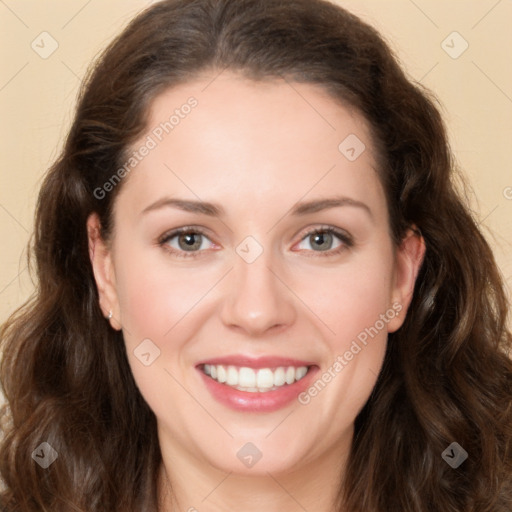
(409, 257)
(101, 261)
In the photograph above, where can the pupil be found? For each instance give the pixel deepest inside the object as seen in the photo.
(189, 241)
(322, 240)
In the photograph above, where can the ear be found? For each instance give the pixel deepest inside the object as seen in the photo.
(101, 260)
(408, 259)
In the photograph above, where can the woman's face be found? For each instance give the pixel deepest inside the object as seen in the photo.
(252, 272)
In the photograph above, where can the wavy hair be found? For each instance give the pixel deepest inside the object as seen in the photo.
(447, 374)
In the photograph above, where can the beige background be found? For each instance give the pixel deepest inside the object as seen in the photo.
(37, 96)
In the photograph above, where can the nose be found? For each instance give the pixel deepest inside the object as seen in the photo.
(257, 301)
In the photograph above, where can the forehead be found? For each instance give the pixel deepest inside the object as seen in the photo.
(229, 138)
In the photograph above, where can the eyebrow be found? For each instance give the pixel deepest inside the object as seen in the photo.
(201, 207)
(324, 204)
(213, 210)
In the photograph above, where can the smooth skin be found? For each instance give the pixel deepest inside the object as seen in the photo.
(255, 150)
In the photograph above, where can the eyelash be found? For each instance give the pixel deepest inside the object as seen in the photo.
(344, 237)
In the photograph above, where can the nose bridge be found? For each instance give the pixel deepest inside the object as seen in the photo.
(256, 300)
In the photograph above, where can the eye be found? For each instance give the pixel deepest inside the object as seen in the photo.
(186, 240)
(325, 240)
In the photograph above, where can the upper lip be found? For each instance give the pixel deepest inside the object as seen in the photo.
(255, 362)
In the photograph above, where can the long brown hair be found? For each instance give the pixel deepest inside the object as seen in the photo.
(446, 375)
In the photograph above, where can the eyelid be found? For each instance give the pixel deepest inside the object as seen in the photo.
(322, 228)
(179, 231)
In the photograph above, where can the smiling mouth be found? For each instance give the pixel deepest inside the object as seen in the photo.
(253, 380)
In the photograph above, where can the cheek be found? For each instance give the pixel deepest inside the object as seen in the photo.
(143, 300)
(354, 308)
(156, 309)
(351, 298)
(360, 338)
(153, 297)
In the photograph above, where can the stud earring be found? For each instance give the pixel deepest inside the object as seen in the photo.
(109, 314)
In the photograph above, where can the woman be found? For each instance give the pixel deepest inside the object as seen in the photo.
(258, 287)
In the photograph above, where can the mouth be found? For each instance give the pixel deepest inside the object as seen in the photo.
(256, 385)
(253, 380)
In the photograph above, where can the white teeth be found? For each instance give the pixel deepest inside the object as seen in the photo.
(246, 378)
(232, 376)
(221, 374)
(251, 380)
(279, 377)
(265, 378)
(301, 372)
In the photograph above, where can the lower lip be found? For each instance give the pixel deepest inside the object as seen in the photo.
(267, 401)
